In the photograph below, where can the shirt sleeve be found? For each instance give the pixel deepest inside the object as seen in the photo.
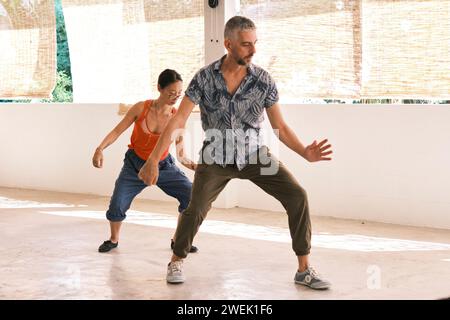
(272, 96)
(195, 89)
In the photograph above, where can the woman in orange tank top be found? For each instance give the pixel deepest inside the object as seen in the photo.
(149, 118)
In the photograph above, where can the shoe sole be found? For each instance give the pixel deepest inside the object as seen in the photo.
(175, 281)
(309, 286)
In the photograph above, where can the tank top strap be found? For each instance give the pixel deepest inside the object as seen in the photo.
(145, 110)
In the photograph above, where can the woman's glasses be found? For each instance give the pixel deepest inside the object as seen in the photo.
(173, 95)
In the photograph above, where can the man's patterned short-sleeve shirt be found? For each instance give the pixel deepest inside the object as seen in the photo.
(235, 117)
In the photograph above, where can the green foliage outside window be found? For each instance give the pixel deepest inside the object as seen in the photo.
(63, 89)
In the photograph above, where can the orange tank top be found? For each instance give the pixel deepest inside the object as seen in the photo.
(143, 141)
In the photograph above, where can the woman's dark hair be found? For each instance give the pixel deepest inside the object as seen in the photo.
(167, 77)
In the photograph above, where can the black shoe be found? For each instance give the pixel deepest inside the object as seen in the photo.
(193, 248)
(107, 246)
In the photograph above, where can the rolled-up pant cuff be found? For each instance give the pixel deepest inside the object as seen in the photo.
(115, 218)
(302, 252)
(179, 254)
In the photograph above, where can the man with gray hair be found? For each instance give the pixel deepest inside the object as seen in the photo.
(233, 94)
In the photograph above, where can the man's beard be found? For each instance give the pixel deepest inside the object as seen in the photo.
(242, 62)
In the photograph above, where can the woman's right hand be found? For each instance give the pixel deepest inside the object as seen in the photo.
(97, 159)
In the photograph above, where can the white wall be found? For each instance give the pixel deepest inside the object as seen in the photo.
(390, 164)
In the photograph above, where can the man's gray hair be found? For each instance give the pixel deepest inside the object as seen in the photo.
(237, 23)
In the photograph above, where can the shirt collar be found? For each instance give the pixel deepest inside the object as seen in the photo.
(218, 64)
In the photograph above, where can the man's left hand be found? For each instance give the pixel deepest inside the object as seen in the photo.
(318, 151)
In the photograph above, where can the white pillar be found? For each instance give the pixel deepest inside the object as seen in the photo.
(215, 19)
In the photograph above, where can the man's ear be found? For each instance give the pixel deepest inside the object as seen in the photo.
(227, 44)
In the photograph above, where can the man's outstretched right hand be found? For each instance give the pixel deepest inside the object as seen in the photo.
(149, 173)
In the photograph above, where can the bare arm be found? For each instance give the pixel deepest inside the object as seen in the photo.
(125, 123)
(313, 152)
(149, 172)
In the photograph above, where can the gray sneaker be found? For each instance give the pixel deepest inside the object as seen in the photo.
(311, 278)
(175, 272)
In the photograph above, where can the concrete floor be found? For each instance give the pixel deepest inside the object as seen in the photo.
(50, 240)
